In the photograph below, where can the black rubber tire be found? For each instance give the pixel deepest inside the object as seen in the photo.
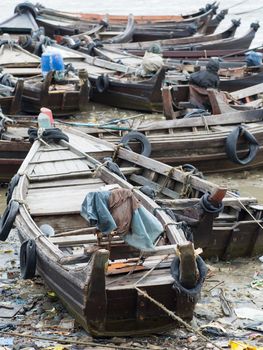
(141, 138)
(10, 189)
(26, 6)
(102, 83)
(175, 272)
(90, 49)
(52, 134)
(231, 146)
(28, 259)
(208, 206)
(8, 219)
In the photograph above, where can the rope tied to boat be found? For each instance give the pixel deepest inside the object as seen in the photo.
(111, 166)
(116, 151)
(97, 169)
(176, 317)
(167, 178)
(205, 122)
(40, 133)
(245, 208)
(187, 187)
(167, 311)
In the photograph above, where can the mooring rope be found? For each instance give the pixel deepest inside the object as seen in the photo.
(70, 341)
(245, 208)
(176, 317)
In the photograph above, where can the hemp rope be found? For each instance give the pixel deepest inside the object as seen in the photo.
(69, 341)
(169, 312)
(177, 318)
(243, 206)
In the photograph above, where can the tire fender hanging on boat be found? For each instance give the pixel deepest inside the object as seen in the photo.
(11, 186)
(208, 206)
(28, 259)
(141, 138)
(231, 145)
(192, 293)
(8, 219)
(102, 83)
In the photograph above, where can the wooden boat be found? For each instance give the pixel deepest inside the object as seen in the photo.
(14, 56)
(64, 97)
(232, 234)
(57, 24)
(142, 19)
(170, 44)
(201, 141)
(231, 80)
(237, 79)
(241, 43)
(19, 23)
(88, 272)
(117, 84)
(119, 34)
(101, 31)
(229, 54)
(14, 145)
(179, 30)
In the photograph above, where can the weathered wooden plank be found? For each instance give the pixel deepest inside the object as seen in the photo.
(157, 277)
(157, 187)
(227, 118)
(58, 200)
(183, 203)
(67, 183)
(59, 168)
(250, 91)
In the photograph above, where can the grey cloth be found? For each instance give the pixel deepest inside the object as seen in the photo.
(207, 78)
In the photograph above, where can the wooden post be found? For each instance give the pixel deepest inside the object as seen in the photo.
(188, 267)
(167, 102)
(217, 195)
(218, 102)
(96, 306)
(85, 89)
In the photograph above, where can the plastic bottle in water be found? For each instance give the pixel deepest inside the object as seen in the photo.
(43, 121)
